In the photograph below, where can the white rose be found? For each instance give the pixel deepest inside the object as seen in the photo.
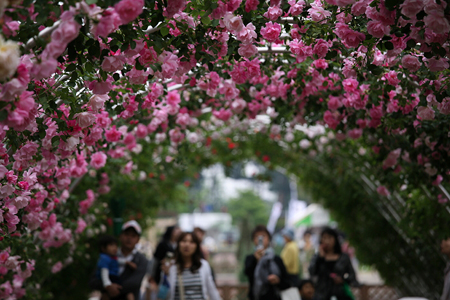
(72, 142)
(9, 58)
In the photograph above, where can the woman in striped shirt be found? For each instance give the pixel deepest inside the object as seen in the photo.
(190, 277)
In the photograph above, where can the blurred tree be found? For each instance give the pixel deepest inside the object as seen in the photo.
(247, 211)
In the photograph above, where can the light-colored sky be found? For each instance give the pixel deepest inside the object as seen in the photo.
(230, 187)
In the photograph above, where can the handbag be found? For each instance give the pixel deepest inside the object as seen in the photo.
(290, 294)
(348, 291)
(164, 289)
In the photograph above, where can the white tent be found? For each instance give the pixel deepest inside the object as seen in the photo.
(313, 215)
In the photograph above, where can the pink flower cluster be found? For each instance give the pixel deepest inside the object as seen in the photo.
(271, 32)
(14, 264)
(53, 234)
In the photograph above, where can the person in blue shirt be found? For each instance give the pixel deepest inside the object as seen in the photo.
(108, 264)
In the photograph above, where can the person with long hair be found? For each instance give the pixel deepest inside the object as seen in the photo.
(167, 245)
(332, 270)
(266, 273)
(190, 277)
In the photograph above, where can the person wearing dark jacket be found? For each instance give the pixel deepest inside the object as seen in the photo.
(266, 272)
(130, 278)
(168, 244)
(331, 270)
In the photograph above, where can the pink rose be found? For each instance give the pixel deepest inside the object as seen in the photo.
(301, 50)
(238, 105)
(247, 50)
(437, 22)
(444, 106)
(45, 69)
(411, 8)
(392, 78)
(57, 267)
(174, 6)
(411, 63)
(359, 7)
(81, 225)
(112, 63)
(425, 113)
(273, 13)
(438, 180)
(23, 185)
(97, 102)
(233, 23)
(318, 13)
(437, 65)
(12, 89)
(136, 76)
(383, 191)
(98, 160)
(376, 112)
(66, 32)
(271, 32)
(344, 2)
(350, 38)
(248, 34)
(392, 158)
(176, 136)
(148, 56)
(321, 48)
(377, 29)
(173, 98)
(251, 5)
(332, 119)
(320, 63)
(169, 64)
(350, 85)
(129, 10)
(141, 131)
(85, 119)
(113, 135)
(109, 22)
(355, 133)
(334, 103)
(296, 7)
(101, 87)
(222, 114)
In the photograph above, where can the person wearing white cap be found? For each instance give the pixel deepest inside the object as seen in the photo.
(130, 277)
(290, 256)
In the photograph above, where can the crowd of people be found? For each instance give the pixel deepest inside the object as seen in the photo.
(180, 270)
(331, 271)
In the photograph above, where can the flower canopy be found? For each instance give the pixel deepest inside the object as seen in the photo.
(89, 83)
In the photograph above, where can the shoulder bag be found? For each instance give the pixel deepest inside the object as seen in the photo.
(180, 285)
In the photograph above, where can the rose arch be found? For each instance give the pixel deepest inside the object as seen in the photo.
(354, 92)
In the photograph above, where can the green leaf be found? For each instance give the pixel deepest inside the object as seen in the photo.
(206, 20)
(389, 45)
(91, 1)
(331, 54)
(55, 141)
(71, 67)
(88, 67)
(164, 30)
(3, 115)
(411, 43)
